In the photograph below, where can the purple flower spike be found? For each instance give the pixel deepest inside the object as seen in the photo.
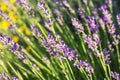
(81, 12)
(22, 56)
(77, 26)
(14, 47)
(5, 39)
(5, 76)
(106, 56)
(85, 65)
(62, 46)
(112, 30)
(35, 31)
(82, 63)
(1, 77)
(41, 5)
(92, 44)
(108, 2)
(15, 78)
(118, 19)
(106, 15)
(102, 8)
(26, 6)
(93, 26)
(115, 75)
(47, 15)
(71, 54)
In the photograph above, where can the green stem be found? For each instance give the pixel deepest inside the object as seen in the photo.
(64, 71)
(73, 76)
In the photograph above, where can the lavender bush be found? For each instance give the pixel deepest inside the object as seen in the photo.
(59, 40)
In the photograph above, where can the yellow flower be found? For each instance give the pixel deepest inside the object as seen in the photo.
(15, 38)
(13, 17)
(21, 28)
(1, 46)
(3, 6)
(28, 48)
(27, 32)
(12, 1)
(4, 24)
(11, 14)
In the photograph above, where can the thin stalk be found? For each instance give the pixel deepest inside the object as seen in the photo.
(64, 71)
(71, 71)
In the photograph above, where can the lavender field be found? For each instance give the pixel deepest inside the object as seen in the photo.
(59, 39)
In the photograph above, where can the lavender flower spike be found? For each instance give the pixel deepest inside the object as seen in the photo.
(35, 31)
(118, 20)
(106, 56)
(78, 26)
(93, 26)
(107, 17)
(115, 75)
(85, 65)
(14, 47)
(71, 54)
(15, 78)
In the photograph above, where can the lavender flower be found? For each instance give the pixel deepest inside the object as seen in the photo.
(106, 56)
(112, 30)
(85, 65)
(102, 24)
(115, 75)
(71, 54)
(1, 12)
(24, 4)
(14, 47)
(5, 76)
(105, 79)
(118, 19)
(41, 5)
(92, 44)
(15, 78)
(81, 11)
(110, 47)
(95, 12)
(96, 38)
(1, 77)
(102, 8)
(93, 26)
(35, 31)
(108, 2)
(106, 15)
(66, 4)
(48, 20)
(115, 42)
(58, 2)
(56, 47)
(5, 39)
(50, 44)
(77, 26)
(45, 59)
(59, 16)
